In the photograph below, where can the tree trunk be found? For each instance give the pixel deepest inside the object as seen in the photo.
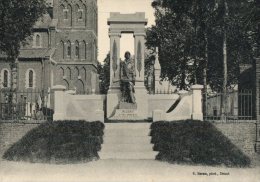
(224, 94)
(205, 84)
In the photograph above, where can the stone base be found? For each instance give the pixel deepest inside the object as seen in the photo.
(112, 103)
(197, 116)
(159, 115)
(126, 105)
(126, 114)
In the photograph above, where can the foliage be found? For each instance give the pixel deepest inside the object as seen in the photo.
(17, 18)
(104, 75)
(195, 142)
(189, 35)
(59, 142)
(251, 21)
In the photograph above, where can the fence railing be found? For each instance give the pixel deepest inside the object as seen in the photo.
(237, 105)
(160, 91)
(26, 105)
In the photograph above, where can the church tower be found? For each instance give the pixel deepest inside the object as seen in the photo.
(75, 40)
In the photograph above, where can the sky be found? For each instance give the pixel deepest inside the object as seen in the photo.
(122, 6)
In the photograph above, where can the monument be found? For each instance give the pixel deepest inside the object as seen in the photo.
(127, 95)
(127, 79)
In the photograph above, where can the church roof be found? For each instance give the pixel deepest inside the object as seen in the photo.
(33, 53)
(36, 53)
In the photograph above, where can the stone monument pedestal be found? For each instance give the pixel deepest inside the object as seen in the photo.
(126, 114)
(117, 110)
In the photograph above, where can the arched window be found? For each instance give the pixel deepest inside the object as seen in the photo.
(68, 73)
(80, 14)
(65, 12)
(94, 50)
(30, 79)
(84, 50)
(85, 13)
(62, 47)
(70, 15)
(77, 49)
(38, 40)
(68, 49)
(5, 83)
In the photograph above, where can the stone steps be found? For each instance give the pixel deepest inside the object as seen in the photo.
(128, 155)
(127, 141)
(127, 147)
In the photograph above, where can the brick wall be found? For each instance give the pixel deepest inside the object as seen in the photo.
(23, 67)
(242, 134)
(11, 132)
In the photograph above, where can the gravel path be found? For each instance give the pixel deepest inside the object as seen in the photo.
(123, 171)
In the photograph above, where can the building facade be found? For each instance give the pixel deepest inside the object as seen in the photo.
(61, 51)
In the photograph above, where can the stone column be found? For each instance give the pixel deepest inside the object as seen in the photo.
(59, 105)
(139, 58)
(140, 90)
(114, 92)
(114, 61)
(197, 102)
(157, 71)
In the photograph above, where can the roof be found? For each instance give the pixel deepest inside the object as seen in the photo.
(36, 53)
(33, 53)
(116, 17)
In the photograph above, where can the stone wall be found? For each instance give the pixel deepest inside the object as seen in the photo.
(161, 102)
(68, 106)
(242, 134)
(11, 132)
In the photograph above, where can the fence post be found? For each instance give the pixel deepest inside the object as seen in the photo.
(59, 109)
(197, 102)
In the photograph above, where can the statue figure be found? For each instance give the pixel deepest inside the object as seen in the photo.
(127, 77)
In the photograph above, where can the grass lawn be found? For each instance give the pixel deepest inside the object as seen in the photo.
(195, 142)
(59, 142)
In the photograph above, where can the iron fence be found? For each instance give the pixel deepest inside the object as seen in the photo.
(237, 105)
(26, 105)
(160, 91)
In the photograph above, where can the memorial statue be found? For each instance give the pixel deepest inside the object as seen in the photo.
(127, 77)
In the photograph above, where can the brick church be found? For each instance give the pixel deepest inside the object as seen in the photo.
(61, 51)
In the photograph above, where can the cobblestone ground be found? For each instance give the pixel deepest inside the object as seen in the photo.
(123, 171)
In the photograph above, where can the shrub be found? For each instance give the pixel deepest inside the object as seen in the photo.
(59, 142)
(195, 142)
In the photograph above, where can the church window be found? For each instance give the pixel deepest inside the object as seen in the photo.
(66, 16)
(62, 49)
(77, 49)
(38, 41)
(80, 14)
(84, 49)
(30, 79)
(5, 83)
(68, 49)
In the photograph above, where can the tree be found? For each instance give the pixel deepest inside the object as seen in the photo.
(184, 26)
(190, 37)
(17, 18)
(203, 41)
(104, 75)
(251, 20)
